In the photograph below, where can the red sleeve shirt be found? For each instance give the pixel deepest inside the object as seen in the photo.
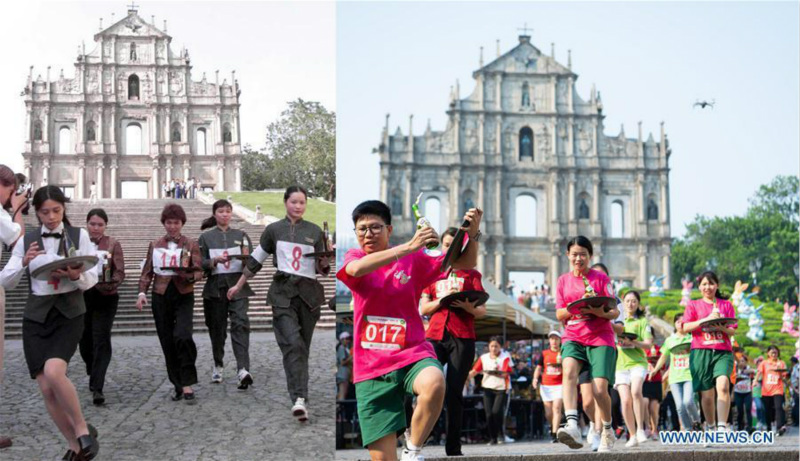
(456, 321)
(551, 368)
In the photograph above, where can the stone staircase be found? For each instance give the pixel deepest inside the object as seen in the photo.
(135, 223)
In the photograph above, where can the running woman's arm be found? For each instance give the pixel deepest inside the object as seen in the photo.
(537, 373)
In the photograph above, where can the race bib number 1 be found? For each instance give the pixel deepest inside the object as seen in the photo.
(383, 333)
(291, 260)
(164, 257)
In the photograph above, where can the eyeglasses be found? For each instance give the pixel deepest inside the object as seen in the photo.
(374, 229)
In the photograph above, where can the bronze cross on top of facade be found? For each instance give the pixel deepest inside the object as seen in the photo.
(132, 7)
(525, 29)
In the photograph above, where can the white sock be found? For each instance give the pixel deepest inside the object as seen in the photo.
(572, 418)
(607, 425)
(411, 447)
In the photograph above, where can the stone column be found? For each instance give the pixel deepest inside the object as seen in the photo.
(454, 199)
(99, 181)
(554, 197)
(554, 269)
(385, 184)
(481, 125)
(45, 171)
(238, 174)
(498, 93)
(481, 177)
(156, 185)
(112, 128)
(187, 170)
(81, 175)
(554, 106)
(570, 149)
(665, 265)
(499, 264)
(596, 199)
(168, 171)
(643, 282)
(114, 185)
(664, 208)
(407, 194)
(27, 171)
(220, 174)
(46, 126)
(498, 135)
(569, 95)
(639, 216)
(482, 259)
(571, 199)
(28, 128)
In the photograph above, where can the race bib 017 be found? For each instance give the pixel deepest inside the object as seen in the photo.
(383, 333)
(165, 257)
(233, 266)
(291, 260)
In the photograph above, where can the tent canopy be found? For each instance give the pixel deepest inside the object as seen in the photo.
(520, 322)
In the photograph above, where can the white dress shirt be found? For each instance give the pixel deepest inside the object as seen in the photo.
(14, 270)
(9, 230)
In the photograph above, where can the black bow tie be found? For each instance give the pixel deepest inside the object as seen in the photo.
(54, 235)
(176, 239)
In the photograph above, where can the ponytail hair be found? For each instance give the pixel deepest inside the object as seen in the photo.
(50, 192)
(212, 221)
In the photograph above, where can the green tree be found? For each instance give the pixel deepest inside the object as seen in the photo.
(256, 167)
(301, 149)
(728, 245)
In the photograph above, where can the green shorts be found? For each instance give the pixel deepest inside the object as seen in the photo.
(381, 409)
(707, 365)
(602, 360)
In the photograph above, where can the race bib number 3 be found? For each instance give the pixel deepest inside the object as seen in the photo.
(291, 259)
(233, 266)
(383, 333)
(164, 257)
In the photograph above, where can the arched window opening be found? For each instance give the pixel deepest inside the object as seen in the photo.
(64, 140)
(525, 216)
(200, 140)
(525, 143)
(133, 139)
(617, 219)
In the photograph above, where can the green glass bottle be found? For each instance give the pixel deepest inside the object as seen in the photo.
(589, 290)
(422, 221)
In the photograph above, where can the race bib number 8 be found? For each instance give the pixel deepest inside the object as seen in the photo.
(165, 257)
(233, 266)
(291, 259)
(383, 333)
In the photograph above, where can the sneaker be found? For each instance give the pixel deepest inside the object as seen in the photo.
(216, 375)
(595, 443)
(632, 443)
(606, 441)
(570, 436)
(299, 410)
(508, 439)
(245, 379)
(409, 455)
(641, 436)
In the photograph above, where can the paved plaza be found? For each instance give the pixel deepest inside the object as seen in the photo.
(784, 449)
(139, 421)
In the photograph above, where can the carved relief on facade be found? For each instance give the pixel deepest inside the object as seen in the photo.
(584, 135)
(543, 141)
(93, 85)
(176, 83)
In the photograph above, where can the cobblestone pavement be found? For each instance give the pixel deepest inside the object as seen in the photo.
(784, 448)
(140, 422)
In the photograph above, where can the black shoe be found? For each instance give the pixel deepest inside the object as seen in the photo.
(781, 431)
(553, 438)
(454, 452)
(89, 448)
(98, 398)
(178, 395)
(189, 397)
(69, 456)
(92, 431)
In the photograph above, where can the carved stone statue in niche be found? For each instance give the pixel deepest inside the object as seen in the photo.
(91, 136)
(583, 210)
(652, 210)
(226, 135)
(133, 56)
(526, 95)
(37, 131)
(176, 134)
(397, 203)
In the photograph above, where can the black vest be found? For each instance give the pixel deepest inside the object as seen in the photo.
(69, 304)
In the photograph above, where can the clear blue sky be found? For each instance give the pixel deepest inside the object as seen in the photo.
(650, 61)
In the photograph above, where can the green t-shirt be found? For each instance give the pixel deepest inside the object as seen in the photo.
(631, 357)
(679, 371)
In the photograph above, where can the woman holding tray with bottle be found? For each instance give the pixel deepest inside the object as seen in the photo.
(451, 330)
(173, 266)
(632, 367)
(496, 368)
(101, 303)
(711, 358)
(295, 293)
(771, 373)
(222, 250)
(53, 318)
(588, 341)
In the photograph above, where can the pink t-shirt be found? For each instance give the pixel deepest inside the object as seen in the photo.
(585, 329)
(699, 309)
(388, 330)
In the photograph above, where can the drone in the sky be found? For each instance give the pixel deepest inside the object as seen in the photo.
(704, 104)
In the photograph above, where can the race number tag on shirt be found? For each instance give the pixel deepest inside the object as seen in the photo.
(166, 257)
(383, 333)
(233, 266)
(52, 286)
(576, 319)
(291, 259)
(713, 337)
(553, 369)
(742, 386)
(772, 378)
(681, 362)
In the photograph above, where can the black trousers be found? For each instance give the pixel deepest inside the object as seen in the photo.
(458, 354)
(743, 402)
(773, 407)
(95, 345)
(217, 311)
(173, 313)
(294, 328)
(494, 403)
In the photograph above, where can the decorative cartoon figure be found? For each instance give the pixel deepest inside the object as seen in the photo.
(686, 293)
(657, 286)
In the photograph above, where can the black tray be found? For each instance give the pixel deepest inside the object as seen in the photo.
(630, 336)
(320, 254)
(180, 269)
(722, 321)
(607, 302)
(479, 298)
(86, 263)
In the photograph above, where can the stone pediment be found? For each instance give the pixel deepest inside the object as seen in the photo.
(527, 59)
(132, 26)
